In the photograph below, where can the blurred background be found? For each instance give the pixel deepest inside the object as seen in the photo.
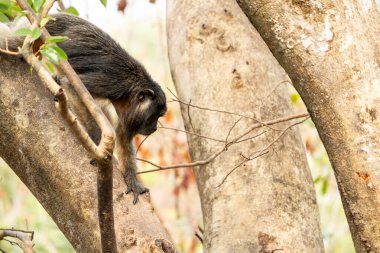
(140, 29)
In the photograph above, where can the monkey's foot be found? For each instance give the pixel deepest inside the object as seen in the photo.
(134, 186)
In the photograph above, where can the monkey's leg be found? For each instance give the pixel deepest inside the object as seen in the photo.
(127, 163)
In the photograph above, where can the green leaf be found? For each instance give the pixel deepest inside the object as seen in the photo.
(9, 8)
(56, 39)
(72, 10)
(36, 33)
(317, 179)
(37, 4)
(53, 53)
(17, 18)
(50, 67)
(294, 97)
(50, 54)
(45, 20)
(61, 54)
(22, 32)
(104, 2)
(5, 4)
(325, 185)
(3, 18)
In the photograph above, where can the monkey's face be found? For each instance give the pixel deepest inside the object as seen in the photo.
(147, 106)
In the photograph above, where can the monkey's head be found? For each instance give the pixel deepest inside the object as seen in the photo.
(150, 105)
(145, 104)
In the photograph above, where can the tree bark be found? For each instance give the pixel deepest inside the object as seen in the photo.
(39, 146)
(331, 51)
(219, 61)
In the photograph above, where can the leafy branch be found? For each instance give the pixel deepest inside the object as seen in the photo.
(37, 13)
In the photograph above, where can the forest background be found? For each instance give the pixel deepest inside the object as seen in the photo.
(141, 31)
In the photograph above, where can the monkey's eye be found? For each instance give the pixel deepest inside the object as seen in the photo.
(141, 96)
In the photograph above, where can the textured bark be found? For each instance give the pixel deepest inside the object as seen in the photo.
(39, 146)
(219, 61)
(331, 51)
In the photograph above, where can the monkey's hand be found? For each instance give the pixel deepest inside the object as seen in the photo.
(134, 186)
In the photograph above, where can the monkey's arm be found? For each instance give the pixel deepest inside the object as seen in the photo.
(127, 162)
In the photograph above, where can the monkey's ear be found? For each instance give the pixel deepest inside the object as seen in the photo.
(150, 92)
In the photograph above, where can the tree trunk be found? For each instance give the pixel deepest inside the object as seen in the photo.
(331, 51)
(39, 146)
(219, 61)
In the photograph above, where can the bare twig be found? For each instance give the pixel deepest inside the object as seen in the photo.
(25, 238)
(252, 137)
(199, 234)
(14, 53)
(200, 238)
(191, 133)
(220, 111)
(261, 152)
(45, 9)
(188, 114)
(7, 51)
(61, 5)
(223, 149)
(275, 88)
(237, 166)
(229, 132)
(141, 143)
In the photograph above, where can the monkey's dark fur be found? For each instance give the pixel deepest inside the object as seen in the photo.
(108, 71)
(110, 74)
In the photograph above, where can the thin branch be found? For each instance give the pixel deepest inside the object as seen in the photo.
(275, 88)
(263, 151)
(220, 111)
(45, 9)
(105, 148)
(188, 114)
(14, 53)
(252, 137)
(141, 143)
(223, 149)
(198, 236)
(61, 5)
(237, 166)
(229, 132)
(25, 238)
(103, 152)
(192, 133)
(12, 243)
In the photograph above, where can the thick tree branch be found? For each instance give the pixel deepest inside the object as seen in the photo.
(330, 49)
(38, 145)
(218, 60)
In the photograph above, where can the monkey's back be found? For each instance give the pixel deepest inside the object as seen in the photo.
(100, 62)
